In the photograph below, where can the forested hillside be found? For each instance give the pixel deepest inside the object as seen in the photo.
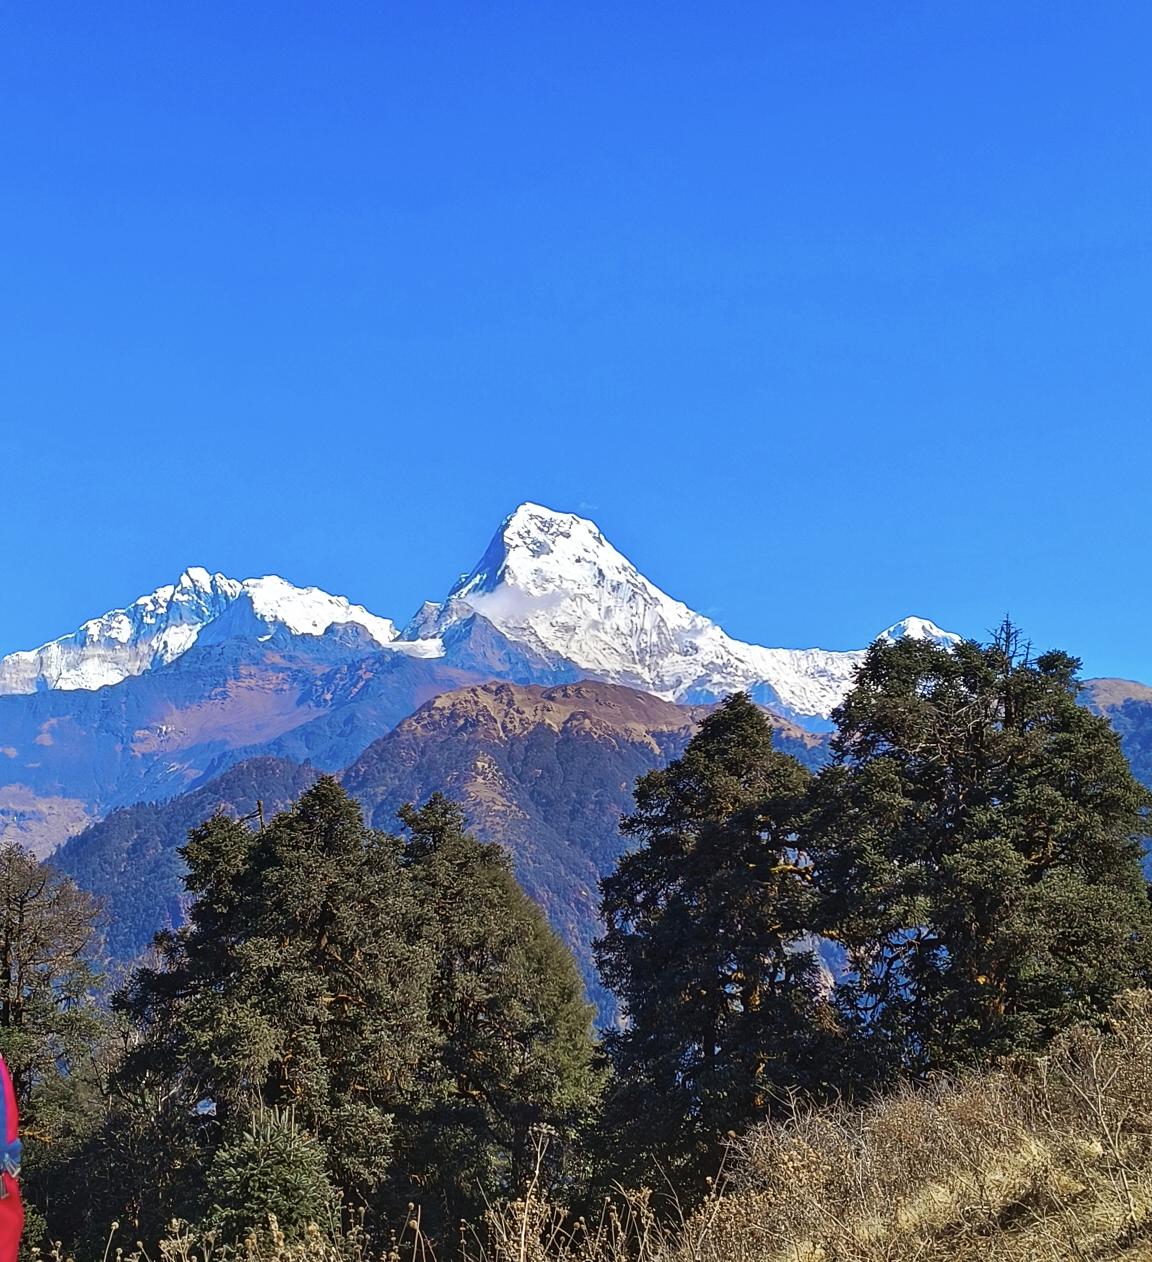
(1128, 707)
(131, 860)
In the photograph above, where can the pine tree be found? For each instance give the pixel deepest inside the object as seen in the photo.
(977, 844)
(299, 982)
(706, 948)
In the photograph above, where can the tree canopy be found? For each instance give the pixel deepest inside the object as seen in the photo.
(977, 847)
(394, 1011)
(962, 882)
(706, 945)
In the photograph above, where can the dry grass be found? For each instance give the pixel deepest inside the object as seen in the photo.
(1043, 1161)
(1047, 1160)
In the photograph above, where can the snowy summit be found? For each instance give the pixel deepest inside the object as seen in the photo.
(158, 628)
(549, 581)
(553, 582)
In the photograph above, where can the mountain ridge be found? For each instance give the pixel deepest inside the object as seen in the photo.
(548, 582)
(552, 581)
(157, 628)
(157, 698)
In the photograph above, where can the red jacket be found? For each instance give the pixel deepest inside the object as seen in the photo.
(11, 1207)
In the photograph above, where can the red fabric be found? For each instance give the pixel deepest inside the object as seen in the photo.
(11, 1207)
(11, 1220)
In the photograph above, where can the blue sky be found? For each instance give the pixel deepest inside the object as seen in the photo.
(827, 313)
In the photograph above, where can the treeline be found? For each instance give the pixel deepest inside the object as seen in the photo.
(353, 1022)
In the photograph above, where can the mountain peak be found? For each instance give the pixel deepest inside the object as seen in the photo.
(550, 590)
(551, 581)
(198, 579)
(153, 630)
(537, 547)
(156, 629)
(919, 629)
(310, 611)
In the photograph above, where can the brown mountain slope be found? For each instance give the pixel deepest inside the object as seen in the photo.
(1105, 695)
(1127, 705)
(546, 772)
(68, 757)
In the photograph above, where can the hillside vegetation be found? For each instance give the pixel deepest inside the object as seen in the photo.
(1044, 1160)
(360, 1038)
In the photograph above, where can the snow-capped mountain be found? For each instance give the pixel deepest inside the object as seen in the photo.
(146, 701)
(552, 582)
(550, 586)
(158, 628)
(153, 630)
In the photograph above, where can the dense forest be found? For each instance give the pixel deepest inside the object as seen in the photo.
(361, 1037)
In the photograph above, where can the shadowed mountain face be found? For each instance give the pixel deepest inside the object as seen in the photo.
(129, 859)
(1127, 705)
(545, 772)
(67, 757)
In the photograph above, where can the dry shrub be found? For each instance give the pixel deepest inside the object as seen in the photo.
(185, 1243)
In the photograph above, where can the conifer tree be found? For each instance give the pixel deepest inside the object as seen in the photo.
(51, 1031)
(516, 1053)
(272, 1169)
(706, 948)
(300, 981)
(977, 844)
(405, 1000)
(48, 936)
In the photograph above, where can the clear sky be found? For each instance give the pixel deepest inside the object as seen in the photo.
(827, 313)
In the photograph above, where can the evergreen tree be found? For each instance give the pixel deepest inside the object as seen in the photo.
(51, 1032)
(516, 1052)
(298, 982)
(272, 1169)
(706, 948)
(406, 1002)
(977, 844)
(48, 935)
